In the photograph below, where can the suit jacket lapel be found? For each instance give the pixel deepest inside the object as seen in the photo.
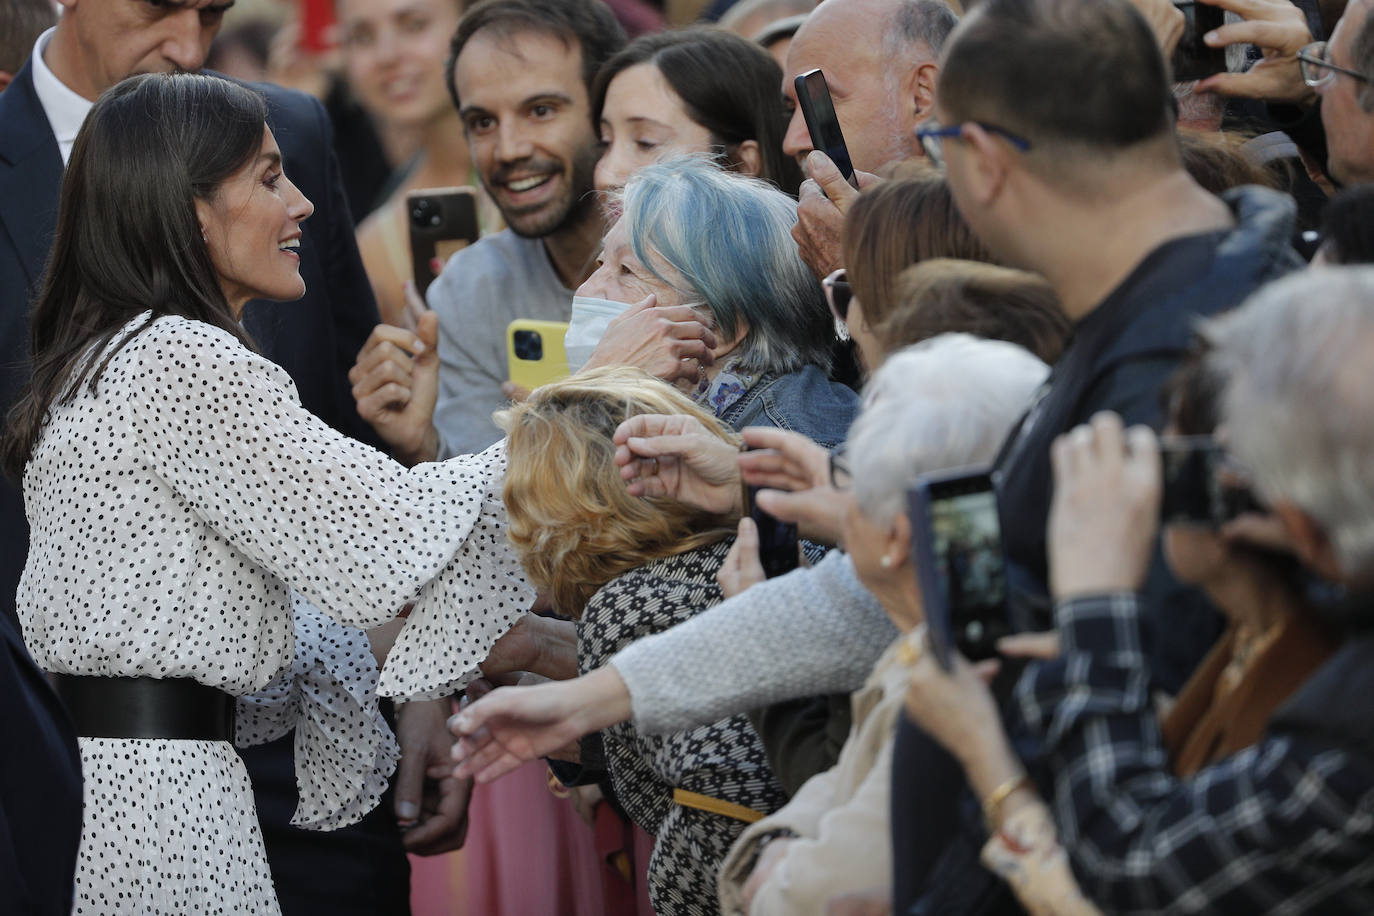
(30, 174)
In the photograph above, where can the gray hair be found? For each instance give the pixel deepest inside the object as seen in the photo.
(918, 22)
(730, 238)
(1298, 407)
(944, 403)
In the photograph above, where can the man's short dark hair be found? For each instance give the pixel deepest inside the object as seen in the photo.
(1085, 72)
(21, 22)
(590, 23)
(927, 22)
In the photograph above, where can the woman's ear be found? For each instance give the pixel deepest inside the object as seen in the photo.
(748, 159)
(1310, 542)
(897, 550)
(725, 347)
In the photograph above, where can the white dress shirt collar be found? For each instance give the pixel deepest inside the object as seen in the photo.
(66, 110)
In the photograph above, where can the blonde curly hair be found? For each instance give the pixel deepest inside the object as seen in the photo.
(570, 517)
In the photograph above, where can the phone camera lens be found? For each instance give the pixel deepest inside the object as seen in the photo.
(529, 345)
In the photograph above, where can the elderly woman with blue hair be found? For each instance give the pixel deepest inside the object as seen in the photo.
(692, 234)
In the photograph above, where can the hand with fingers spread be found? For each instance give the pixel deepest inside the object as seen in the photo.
(1279, 30)
(675, 456)
(824, 199)
(1105, 513)
(674, 343)
(431, 804)
(796, 473)
(513, 725)
(396, 385)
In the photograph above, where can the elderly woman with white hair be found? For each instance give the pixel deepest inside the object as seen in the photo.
(942, 404)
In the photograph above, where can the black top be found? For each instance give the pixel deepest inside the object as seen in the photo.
(1121, 354)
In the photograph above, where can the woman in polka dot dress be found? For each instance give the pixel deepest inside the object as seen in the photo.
(179, 496)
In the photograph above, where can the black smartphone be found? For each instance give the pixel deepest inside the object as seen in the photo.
(956, 548)
(1200, 485)
(778, 541)
(441, 221)
(1194, 60)
(813, 95)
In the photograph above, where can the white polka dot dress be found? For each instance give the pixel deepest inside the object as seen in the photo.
(174, 512)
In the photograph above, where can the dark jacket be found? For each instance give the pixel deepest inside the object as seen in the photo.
(1119, 358)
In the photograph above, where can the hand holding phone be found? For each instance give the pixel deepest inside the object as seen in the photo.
(1200, 486)
(813, 95)
(1193, 59)
(442, 221)
(956, 548)
(779, 545)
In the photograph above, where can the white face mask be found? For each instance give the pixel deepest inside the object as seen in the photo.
(590, 317)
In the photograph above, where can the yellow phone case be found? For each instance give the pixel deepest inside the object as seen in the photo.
(551, 363)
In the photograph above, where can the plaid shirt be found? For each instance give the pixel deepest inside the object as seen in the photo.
(1286, 826)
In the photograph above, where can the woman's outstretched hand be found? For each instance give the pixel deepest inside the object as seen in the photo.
(513, 725)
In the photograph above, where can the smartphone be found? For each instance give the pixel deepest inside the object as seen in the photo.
(534, 352)
(813, 95)
(1201, 487)
(441, 221)
(778, 540)
(956, 548)
(316, 19)
(1194, 60)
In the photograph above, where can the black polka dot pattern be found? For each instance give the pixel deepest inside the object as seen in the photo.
(173, 512)
(344, 748)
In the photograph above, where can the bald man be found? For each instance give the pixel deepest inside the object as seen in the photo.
(880, 60)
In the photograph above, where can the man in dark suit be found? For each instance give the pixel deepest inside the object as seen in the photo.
(95, 44)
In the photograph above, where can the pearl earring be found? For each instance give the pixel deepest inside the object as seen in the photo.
(885, 562)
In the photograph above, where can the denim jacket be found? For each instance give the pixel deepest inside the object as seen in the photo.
(805, 402)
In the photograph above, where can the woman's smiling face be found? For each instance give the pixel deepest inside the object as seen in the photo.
(252, 227)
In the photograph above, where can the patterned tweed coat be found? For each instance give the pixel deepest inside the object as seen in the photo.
(724, 760)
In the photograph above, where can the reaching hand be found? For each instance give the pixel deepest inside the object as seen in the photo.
(431, 803)
(674, 343)
(1105, 512)
(822, 202)
(675, 456)
(535, 644)
(796, 472)
(396, 384)
(513, 725)
(1278, 29)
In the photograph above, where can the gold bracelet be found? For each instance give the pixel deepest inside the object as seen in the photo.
(997, 797)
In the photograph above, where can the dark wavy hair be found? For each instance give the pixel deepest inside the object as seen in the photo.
(589, 23)
(128, 239)
(727, 84)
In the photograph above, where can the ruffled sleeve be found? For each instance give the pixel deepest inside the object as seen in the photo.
(344, 749)
(462, 614)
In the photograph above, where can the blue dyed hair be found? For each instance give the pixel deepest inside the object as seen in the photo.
(730, 238)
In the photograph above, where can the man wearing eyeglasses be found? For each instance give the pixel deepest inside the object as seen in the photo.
(1093, 195)
(1337, 74)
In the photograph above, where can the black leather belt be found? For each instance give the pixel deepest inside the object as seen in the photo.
(146, 707)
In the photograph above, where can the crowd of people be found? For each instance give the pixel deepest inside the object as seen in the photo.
(296, 579)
